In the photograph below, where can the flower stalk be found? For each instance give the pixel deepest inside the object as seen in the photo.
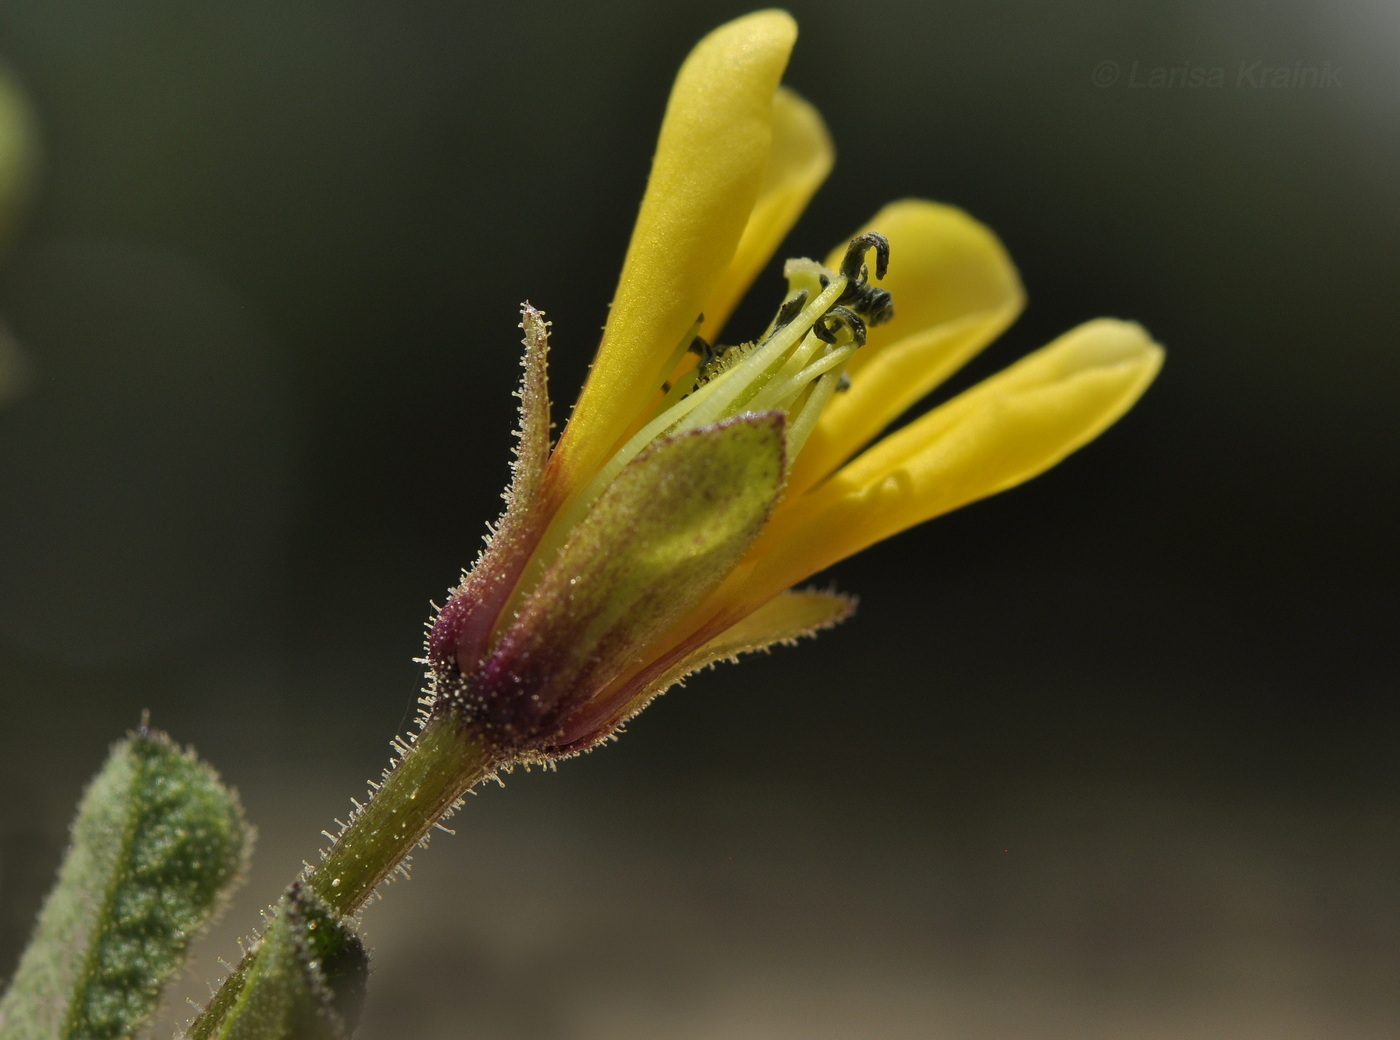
(425, 785)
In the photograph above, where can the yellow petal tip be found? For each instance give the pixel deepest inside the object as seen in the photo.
(1109, 343)
(771, 23)
(756, 39)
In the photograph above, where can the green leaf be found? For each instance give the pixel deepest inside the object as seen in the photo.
(157, 844)
(304, 980)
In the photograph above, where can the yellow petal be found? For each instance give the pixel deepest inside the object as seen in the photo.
(705, 178)
(800, 159)
(944, 266)
(1007, 429)
(955, 290)
(893, 380)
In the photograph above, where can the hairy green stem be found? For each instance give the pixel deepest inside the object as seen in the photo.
(442, 765)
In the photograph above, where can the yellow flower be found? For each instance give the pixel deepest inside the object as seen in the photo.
(694, 486)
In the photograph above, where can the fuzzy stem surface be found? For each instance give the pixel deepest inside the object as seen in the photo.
(442, 765)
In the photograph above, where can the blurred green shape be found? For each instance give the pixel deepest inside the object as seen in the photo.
(157, 844)
(17, 150)
(17, 164)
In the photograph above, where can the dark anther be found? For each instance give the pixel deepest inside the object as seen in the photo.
(855, 256)
(790, 309)
(856, 323)
(876, 304)
(827, 327)
(844, 383)
(702, 347)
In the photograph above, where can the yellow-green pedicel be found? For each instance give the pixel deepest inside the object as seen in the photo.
(695, 485)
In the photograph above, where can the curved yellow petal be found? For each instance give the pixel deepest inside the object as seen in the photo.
(944, 265)
(893, 380)
(1005, 430)
(955, 290)
(705, 178)
(798, 162)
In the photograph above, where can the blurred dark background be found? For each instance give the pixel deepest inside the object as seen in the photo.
(1111, 755)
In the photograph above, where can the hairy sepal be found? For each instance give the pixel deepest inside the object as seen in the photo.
(655, 543)
(781, 621)
(461, 632)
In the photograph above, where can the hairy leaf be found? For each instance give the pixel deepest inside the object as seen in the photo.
(157, 844)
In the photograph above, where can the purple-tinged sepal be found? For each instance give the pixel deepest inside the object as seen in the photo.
(461, 632)
(655, 542)
(781, 621)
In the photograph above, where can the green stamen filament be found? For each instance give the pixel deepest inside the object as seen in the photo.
(746, 379)
(781, 393)
(723, 396)
(681, 349)
(779, 374)
(802, 420)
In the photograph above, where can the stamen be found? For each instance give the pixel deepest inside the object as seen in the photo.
(828, 328)
(876, 306)
(683, 385)
(790, 309)
(796, 367)
(797, 361)
(725, 359)
(685, 346)
(782, 393)
(703, 348)
(855, 256)
(731, 392)
(825, 364)
(802, 420)
(723, 394)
